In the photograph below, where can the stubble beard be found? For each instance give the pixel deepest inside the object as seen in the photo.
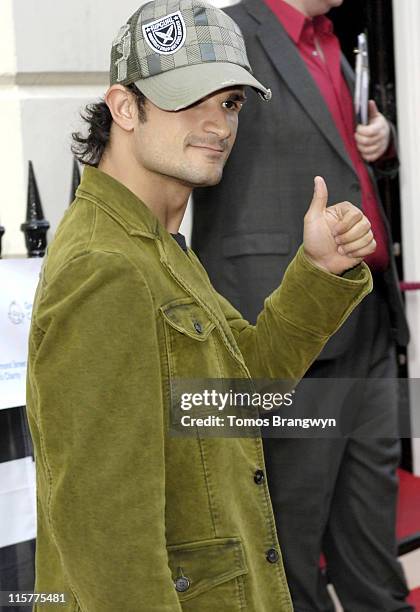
(195, 176)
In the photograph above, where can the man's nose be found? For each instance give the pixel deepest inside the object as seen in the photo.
(217, 122)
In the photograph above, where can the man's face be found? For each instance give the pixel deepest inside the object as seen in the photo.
(193, 144)
(313, 8)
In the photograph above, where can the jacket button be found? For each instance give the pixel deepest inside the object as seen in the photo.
(197, 327)
(272, 555)
(259, 477)
(182, 584)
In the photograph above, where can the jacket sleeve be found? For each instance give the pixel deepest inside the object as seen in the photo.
(95, 383)
(388, 165)
(298, 318)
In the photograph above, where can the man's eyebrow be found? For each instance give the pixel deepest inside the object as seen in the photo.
(238, 96)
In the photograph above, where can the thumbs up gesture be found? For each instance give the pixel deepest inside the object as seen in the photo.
(335, 238)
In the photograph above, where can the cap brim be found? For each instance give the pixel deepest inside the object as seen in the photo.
(178, 88)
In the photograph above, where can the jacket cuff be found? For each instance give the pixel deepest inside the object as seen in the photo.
(388, 164)
(317, 301)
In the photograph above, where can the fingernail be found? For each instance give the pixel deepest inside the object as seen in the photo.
(341, 250)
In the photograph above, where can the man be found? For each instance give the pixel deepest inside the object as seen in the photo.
(130, 518)
(335, 496)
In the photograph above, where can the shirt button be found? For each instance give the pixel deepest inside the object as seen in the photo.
(182, 584)
(197, 327)
(272, 555)
(259, 477)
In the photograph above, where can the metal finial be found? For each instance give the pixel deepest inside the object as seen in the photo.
(36, 226)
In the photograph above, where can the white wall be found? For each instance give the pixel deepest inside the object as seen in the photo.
(407, 55)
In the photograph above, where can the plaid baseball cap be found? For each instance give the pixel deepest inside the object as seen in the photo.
(179, 51)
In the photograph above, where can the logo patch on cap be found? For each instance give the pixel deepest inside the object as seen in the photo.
(166, 35)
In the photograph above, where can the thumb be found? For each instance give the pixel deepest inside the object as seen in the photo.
(373, 109)
(320, 197)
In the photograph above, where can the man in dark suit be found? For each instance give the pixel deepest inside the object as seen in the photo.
(335, 496)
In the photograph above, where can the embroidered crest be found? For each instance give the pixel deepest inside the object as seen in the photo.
(166, 35)
(123, 43)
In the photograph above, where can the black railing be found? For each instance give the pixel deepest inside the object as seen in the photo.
(17, 561)
(36, 226)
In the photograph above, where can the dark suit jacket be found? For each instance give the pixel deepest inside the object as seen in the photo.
(247, 229)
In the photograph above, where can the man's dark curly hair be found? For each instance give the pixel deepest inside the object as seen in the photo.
(89, 149)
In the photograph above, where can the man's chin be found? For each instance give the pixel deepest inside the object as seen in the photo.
(207, 181)
(213, 181)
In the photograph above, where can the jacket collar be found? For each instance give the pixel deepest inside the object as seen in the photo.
(130, 212)
(119, 202)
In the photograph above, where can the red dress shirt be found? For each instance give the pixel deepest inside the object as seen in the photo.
(333, 87)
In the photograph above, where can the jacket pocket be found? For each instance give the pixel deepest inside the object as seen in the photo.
(187, 317)
(256, 243)
(210, 574)
(190, 343)
(254, 265)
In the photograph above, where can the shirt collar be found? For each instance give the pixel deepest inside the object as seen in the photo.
(291, 19)
(294, 21)
(323, 25)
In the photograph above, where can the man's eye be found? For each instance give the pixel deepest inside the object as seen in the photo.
(233, 104)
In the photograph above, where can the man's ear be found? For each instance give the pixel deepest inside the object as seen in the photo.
(122, 107)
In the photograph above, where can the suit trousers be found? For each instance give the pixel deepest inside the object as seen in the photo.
(337, 495)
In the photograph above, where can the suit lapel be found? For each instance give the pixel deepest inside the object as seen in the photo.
(293, 71)
(348, 73)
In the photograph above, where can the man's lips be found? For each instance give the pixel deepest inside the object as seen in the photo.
(208, 148)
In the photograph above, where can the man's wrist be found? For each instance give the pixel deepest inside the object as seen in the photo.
(325, 268)
(316, 263)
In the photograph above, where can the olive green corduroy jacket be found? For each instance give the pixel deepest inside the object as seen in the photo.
(122, 505)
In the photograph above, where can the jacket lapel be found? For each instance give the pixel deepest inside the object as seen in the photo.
(293, 71)
(348, 73)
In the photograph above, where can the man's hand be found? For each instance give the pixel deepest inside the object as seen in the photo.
(372, 140)
(335, 238)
